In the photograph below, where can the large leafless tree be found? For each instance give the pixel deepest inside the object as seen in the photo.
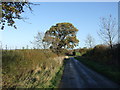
(108, 30)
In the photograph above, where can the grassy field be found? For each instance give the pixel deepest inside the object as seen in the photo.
(31, 69)
(112, 72)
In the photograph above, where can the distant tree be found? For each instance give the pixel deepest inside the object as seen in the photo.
(38, 41)
(6, 47)
(15, 47)
(27, 47)
(12, 11)
(23, 48)
(90, 41)
(108, 30)
(34, 48)
(1, 45)
(62, 35)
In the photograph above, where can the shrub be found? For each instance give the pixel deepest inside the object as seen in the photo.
(104, 54)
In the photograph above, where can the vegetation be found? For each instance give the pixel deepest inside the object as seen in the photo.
(12, 11)
(90, 41)
(62, 35)
(78, 52)
(108, 30)
(43, 67)
(112, 72)
(38, 41)
(104, 54)
(103, 59)
(57, 78)
(30, 68)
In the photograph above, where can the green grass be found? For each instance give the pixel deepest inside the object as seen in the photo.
(110, 72)
(78, 54)
(29, 68)
(56, 80)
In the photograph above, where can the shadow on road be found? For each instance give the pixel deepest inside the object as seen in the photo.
(76, 75)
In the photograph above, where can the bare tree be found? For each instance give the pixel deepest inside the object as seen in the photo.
(38, 41)
(40, 44)
(1, 45)
(107, 30)
(90, 41)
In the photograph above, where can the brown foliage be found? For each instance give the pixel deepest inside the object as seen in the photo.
(12, 11)
(62, 35)
(104, 54)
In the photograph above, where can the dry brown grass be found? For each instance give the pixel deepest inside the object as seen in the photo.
(29, 68)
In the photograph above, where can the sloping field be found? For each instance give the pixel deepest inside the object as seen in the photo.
(30, 68)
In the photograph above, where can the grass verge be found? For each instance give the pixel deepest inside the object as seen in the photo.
(113, 73)
(56, 80)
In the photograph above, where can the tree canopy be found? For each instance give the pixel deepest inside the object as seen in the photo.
(61, 35)
(12, 11)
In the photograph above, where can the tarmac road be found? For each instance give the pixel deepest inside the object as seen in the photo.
(77, 75)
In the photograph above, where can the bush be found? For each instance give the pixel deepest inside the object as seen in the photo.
(104, 54)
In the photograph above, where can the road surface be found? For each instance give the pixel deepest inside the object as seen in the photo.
(76, 75)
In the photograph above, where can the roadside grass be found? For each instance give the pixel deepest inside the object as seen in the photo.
(78, 54)
(29, 68)
(55, 81)
(111, 72)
